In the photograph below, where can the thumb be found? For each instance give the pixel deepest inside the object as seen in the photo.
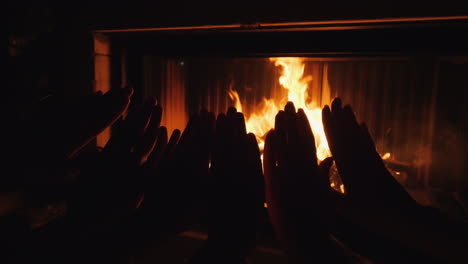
(324, 170)
(324, 167)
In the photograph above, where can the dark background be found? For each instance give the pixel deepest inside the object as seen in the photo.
(52, 43)
(128, 14)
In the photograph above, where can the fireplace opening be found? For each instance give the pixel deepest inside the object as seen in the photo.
(398, 75)
(394, 96)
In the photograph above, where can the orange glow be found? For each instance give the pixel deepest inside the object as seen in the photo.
(102, 77)
(172, 98)
(292, 79)
(386, 156)
(263, 118)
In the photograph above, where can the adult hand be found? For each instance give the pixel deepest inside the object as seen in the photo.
(363, 172)
(376, 202)
(41, 169)
(42, 142)
(236, 190)
(176, 173)
(111, 182)
(300, 200)
(68, 125)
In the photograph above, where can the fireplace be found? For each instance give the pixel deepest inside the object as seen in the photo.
(407, 78)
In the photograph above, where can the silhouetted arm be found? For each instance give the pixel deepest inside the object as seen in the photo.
(376, 202)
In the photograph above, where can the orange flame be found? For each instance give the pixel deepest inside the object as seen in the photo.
(292, 79)
(263, 118)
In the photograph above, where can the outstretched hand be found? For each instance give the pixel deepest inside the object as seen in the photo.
(236, 189)
(176, 172)
(300, 200)
(45, 140)
(367, 180)
(111, 181)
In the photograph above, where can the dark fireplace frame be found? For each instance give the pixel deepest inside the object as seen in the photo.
(403, 36)
(428, 40)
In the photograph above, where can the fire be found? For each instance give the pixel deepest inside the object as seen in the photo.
(263, 118)
(292, 79)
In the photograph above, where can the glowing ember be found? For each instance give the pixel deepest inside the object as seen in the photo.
(386, 156)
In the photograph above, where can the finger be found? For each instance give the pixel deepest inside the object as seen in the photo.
(290, 108)
(354, 136)
(329, 129)
(281, 150)
(280, 122)
(231, 111)
(239, 123)
(190, 132)
(103, 111)
(133, 128)
(257, 181)
(269, 164)
(292, 137)
(233, 124)
(307, 140)
(343, 138)
(167, 156)
(114, 103)
(269, 161)
(350, 118)
(324, 173)
(253, 152)
(139, 120)
(326, 121)
(238, 141)
(336, 105)
(161, 142)
(148, 142)
(338, 137)
(171, 145)
(255, 166)
(156, 117)
(221, 134)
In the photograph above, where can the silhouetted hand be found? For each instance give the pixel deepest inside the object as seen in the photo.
(300, 200)
(43, 141)
(162, 155)
(176, 173)
(363, 172)
(158, 178)
(235, 190)
(68, 125)
(376, 202)
(41, 169)
(111, 181)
